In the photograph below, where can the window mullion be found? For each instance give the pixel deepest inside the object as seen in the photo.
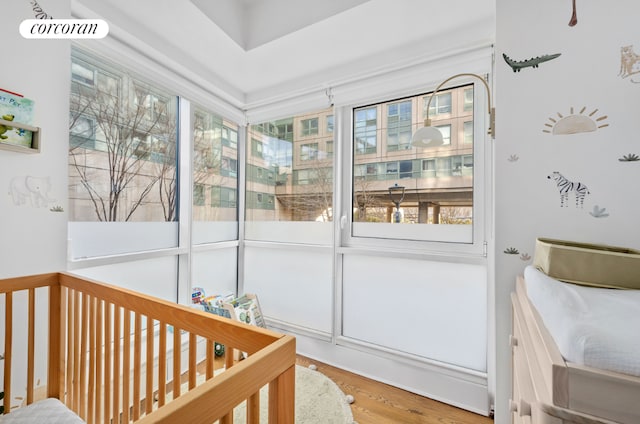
(185, 200)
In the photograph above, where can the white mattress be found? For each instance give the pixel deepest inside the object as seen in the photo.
(592, 326)
(46, 411)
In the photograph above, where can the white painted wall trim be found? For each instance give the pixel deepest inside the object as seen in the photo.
(460, 388)
(286, 327)
(398, 79)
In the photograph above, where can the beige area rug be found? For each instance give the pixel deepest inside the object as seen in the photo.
(318, 401)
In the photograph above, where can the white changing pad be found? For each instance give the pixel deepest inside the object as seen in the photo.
(592, 326)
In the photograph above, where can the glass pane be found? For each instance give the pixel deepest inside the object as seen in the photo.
(403, 184)
(440, 104)
(399, 126)
(468, 100)
(365, 132)
(122, 154)
(289, 177)
(215, 177)
(468, 132)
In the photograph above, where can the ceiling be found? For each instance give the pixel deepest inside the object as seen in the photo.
(254, 50)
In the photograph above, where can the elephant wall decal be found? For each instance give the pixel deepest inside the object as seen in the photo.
(31, 190)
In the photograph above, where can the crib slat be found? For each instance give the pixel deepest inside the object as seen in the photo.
(228, 357)
(8, 341)
(30, 344)
(148, 397)
(228, 363)
(253, 409)
(91, 395)
(176, 362)
(69, 355)
(137, 363)
(116, 364)
(126, 365)
(162, 364)
(60, 316)
(192, 360)
(211, 354)
(84, 327)
(99, 360)
(76, 351)
(107, 362)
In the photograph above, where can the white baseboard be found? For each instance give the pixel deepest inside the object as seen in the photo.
(466, 389)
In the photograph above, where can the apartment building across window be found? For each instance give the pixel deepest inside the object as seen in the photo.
(309, 127)
(438, 181)
(365, 130)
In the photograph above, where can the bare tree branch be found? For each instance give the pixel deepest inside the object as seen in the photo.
(119, 152)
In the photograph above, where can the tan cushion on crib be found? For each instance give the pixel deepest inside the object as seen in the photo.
(47, 411)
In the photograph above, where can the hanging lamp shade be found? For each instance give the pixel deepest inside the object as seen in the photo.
(427, 136)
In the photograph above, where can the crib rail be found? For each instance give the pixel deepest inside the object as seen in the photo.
(118, 356)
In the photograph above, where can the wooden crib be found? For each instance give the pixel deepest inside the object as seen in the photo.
(106, 362)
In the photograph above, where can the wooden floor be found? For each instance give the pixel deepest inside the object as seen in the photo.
(378, 403)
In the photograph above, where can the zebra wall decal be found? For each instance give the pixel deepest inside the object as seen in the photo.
(565, 187)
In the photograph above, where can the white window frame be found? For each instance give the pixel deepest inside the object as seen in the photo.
(385, 238)
(188, 94)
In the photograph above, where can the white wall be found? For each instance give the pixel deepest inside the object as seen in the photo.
(585, 75)
(34, 238)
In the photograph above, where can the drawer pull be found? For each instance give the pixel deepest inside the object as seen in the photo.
(513, 341)
(522, 408)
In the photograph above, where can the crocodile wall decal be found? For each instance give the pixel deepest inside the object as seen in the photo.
(517, 65)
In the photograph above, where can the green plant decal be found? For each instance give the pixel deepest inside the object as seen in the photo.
(57, 209)
(598, 212)
(631, 157)
(511, 251)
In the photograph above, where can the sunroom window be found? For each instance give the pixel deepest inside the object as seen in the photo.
(432, 189)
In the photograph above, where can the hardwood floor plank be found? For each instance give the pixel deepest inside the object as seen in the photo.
(379, 403)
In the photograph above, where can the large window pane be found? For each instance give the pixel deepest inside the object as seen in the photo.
(215, 177)
(430, 185)
(122, 154)
(289, 176)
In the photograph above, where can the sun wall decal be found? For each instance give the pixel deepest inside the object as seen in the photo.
(575, 123)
